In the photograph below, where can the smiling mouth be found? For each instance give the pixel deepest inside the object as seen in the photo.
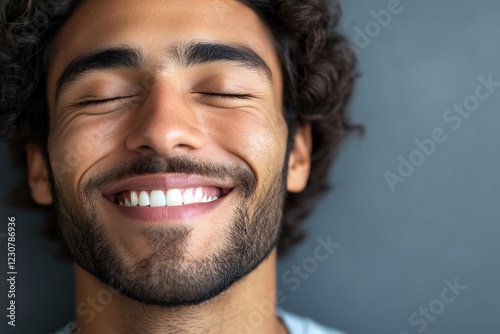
(168, 197)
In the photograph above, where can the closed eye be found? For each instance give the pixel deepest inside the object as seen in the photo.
(227, 95)
(97, 102)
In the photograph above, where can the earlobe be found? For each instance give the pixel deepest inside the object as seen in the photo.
(38, 179)
(299, 162)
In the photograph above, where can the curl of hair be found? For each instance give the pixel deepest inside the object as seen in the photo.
(318, 67)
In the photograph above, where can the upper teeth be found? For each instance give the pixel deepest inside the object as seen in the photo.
(171, 197)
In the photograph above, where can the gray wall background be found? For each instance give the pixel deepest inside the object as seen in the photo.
(395, 249)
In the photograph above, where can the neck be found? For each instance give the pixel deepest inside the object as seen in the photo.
(247, 307)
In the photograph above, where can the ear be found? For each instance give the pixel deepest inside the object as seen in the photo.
(299, 162)
(38, 179)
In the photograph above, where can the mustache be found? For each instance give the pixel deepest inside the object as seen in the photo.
(242, 177)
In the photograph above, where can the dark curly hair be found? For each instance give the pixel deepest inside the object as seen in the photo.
(318, 70)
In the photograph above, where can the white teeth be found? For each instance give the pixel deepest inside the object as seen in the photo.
(134, 198)
(173, 197)
(143, 199)
(187, 197)
(198, 195)
(157, 198)
(212, 198)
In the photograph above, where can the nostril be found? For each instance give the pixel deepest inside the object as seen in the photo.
(145, 148)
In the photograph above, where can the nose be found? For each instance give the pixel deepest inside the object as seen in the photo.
(165, 125)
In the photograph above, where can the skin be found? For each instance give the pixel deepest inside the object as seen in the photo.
(169, 118)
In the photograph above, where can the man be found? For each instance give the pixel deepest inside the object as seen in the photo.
(180, 144)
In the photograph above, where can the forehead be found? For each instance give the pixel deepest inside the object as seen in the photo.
(155, 25)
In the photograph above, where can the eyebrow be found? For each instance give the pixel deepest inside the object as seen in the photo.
(193, 53)
(196, 53)
(97, 61)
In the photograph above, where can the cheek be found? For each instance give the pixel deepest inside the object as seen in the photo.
(80, 144)
(259, 142)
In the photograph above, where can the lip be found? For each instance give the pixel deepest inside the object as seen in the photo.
(166, 214)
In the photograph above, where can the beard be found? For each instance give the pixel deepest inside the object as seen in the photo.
(166, 276)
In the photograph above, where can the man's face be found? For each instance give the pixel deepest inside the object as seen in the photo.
(167, 145)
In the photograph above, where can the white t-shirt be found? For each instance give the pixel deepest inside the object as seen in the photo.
(301, 325)
(294, 324)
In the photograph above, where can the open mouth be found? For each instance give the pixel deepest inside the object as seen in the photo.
(168, 197)
(159, 192)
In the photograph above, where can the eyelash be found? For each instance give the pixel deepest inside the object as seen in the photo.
(101, 101)
(228, 96)
(209, 95)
